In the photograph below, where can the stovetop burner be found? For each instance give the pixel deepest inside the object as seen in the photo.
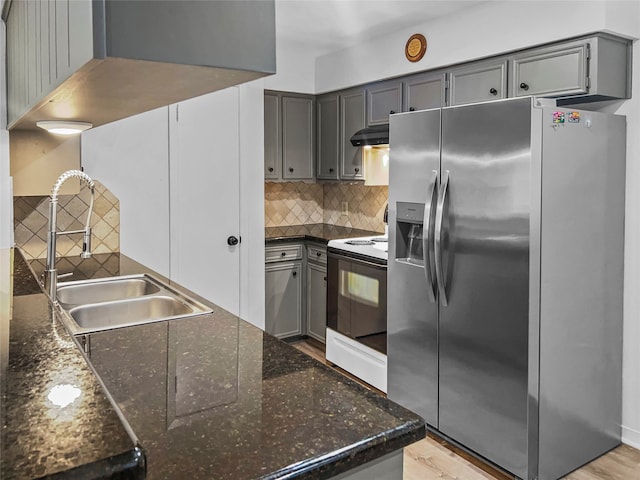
(360, 242)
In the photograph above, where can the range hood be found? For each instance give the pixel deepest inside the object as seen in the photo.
(376, 135)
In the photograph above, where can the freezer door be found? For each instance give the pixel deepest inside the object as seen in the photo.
(484, 214)
(412, 328)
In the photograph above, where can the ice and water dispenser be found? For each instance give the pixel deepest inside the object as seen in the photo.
(409, 226)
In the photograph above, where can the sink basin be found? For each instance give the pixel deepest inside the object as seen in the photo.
(104, 290)
(114, 302)
(101, 316)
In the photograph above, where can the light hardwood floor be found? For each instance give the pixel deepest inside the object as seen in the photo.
(433, 458)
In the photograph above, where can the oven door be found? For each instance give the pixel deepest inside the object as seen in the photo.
(357, 298)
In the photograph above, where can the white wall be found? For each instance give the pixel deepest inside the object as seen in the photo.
(131, 158)
(252, 202)
(498, 27)
(295, 70)
(6, 197)
(484, 30)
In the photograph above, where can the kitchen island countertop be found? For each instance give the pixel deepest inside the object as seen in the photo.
(215, 397)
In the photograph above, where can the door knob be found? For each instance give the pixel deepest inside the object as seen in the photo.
(271, 169)
(411, 109)
(232, 241)
(295, 273)
(357, 170)
(331, 170)
(493, 91)
(391, 112)
(524, 86)
(291, 169)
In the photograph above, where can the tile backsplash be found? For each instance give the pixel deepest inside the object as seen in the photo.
(31, 219)
(299, 203)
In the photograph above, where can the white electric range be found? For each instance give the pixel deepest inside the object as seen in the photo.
(357, 307)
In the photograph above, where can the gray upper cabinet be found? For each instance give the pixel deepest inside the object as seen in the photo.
(383, 99)
(272, 138)
(352, 119)
(426, 90)
(289, 136)
(478, 82)
(551, 71)
(596, 66)
(96, 58)
(298, 137)
(328, 137)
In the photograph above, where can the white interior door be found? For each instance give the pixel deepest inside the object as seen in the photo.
(204, 192)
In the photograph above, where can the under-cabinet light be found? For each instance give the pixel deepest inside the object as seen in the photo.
(64, 127)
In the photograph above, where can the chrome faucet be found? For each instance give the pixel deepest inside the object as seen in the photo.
(51, 274)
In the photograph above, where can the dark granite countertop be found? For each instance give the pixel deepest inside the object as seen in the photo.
(317, 232)
(213, 397)
(56, 418)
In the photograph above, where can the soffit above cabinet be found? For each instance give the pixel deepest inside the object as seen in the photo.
(113, 59)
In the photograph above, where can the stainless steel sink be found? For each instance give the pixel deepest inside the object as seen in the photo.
(114, 302)
(104, 290)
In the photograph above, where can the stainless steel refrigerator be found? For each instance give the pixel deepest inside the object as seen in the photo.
(505, 276)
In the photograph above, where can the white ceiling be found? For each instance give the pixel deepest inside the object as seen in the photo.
(323, 26)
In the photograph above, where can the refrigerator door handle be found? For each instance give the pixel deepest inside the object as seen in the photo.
(426, 235)
(437, 244)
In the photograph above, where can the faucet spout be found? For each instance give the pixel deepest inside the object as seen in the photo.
(51, 274)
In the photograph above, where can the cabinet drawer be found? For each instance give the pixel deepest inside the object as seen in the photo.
(283, 253)
(317, 254)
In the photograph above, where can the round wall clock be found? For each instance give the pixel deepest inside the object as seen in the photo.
(415, 48)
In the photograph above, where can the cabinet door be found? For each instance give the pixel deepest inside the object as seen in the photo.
(352, 119)
(283, 299)
(478, 83)
(272, 138)
(383, 99)
(550, 71)
(328, 137)
(297, 138)
(316, 301)
(424, 91)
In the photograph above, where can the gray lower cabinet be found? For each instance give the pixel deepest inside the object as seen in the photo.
(316, 292)
(283, 298)
(352, 119)
(478, 82)
(422, 91)
(289, 136)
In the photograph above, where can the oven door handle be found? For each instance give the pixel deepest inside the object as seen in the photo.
(429, 206)
(356, 260)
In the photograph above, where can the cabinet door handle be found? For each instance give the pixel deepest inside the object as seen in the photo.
(295, 273)
(271, 169)
(357, 170)
(411, 109)
(291, 169)
(232, 241)
(524, 86)
(391, 112)
(283, 253)
(493, 91)
(325, 279)
(331, 170)
(318, 254)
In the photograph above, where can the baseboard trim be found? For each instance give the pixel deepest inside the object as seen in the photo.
(631, 437)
